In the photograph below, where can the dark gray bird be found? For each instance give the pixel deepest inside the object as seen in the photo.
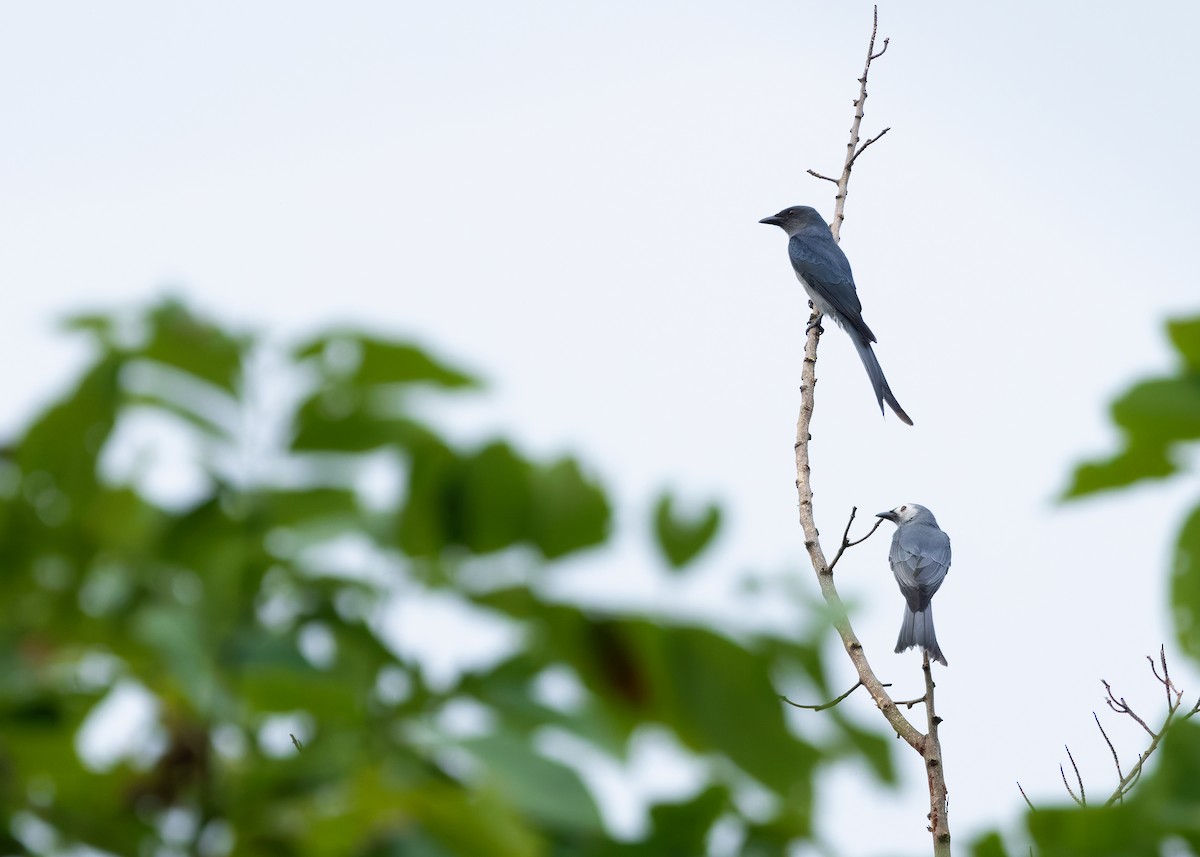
(920, 558)
(824, 271)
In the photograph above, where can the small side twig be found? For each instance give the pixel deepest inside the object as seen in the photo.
(1078, 778)
(1111, 748)
(846, 543)
(1028, 802)
(863, 147)
(1067, 786)
(1122, 707)
(825, 705)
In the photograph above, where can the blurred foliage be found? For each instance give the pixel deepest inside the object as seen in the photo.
(277, 718)
(1157, 418)
(683, 540)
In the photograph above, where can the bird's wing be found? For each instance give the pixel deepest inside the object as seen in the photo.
(826, 269)
(920, 559)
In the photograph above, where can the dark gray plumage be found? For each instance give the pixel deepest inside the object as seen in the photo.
(920, 558)
(824, 271)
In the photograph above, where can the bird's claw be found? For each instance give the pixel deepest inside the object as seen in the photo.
(816, 322)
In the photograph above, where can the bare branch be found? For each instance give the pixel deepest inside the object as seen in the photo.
(846, 543)
(927, 745)
(852, 148)
(823, 705)
(1032, 808)
(909, 703)
(932, 752)
(816, 174)
(863, 147)
(1122, 707)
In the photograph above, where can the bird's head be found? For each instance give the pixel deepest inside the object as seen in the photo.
(796, 219)
(904, 514)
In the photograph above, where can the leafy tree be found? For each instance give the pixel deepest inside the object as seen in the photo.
(248, 618)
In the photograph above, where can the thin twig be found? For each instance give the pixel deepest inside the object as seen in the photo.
(863, 147)
(909, 703)
(1111, 748)
(1122, 707)
(823, 705)
(1032, 808)
(816, 174)
(1068, 785)
(846, 543)
(1078, 779)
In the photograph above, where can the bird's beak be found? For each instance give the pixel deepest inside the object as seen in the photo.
(773, 220)
(887, 516)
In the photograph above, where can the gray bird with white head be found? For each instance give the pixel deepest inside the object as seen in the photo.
(824, 271)
(920, 558)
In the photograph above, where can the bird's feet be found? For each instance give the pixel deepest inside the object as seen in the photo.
(815, 321)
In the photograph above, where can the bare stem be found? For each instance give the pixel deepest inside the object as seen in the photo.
(934, 769)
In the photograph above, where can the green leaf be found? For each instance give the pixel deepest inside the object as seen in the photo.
(496, 499)
(569, 512)
(339, 419)
(1135, 463)
(182, 340)
(430, 520)
(540, 788)
(1155, 415)
(1118, 831)
(682, 540)
(681, 828)
(1185, 334)
(366, 360)
(873, 748)
(1185, 585)
(64, 443)
(1163, 410)
(989, 845)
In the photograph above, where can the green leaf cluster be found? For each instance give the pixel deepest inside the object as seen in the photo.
(1159, 419)
(283, 723)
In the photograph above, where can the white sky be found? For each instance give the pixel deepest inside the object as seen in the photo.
(564, 197)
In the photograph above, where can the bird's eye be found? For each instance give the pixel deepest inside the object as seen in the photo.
(903, 508)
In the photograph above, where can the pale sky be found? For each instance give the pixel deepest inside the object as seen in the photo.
(563, 197)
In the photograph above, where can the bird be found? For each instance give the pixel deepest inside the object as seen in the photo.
(920, 559)
(824, 271)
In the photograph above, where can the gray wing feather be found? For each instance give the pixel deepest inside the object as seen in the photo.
(823, 265)
(920, 560)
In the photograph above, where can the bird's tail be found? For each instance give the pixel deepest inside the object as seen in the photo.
(917, 630)
(883, 393)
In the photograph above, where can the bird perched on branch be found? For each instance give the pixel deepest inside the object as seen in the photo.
(824, 271)
(920, 558)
